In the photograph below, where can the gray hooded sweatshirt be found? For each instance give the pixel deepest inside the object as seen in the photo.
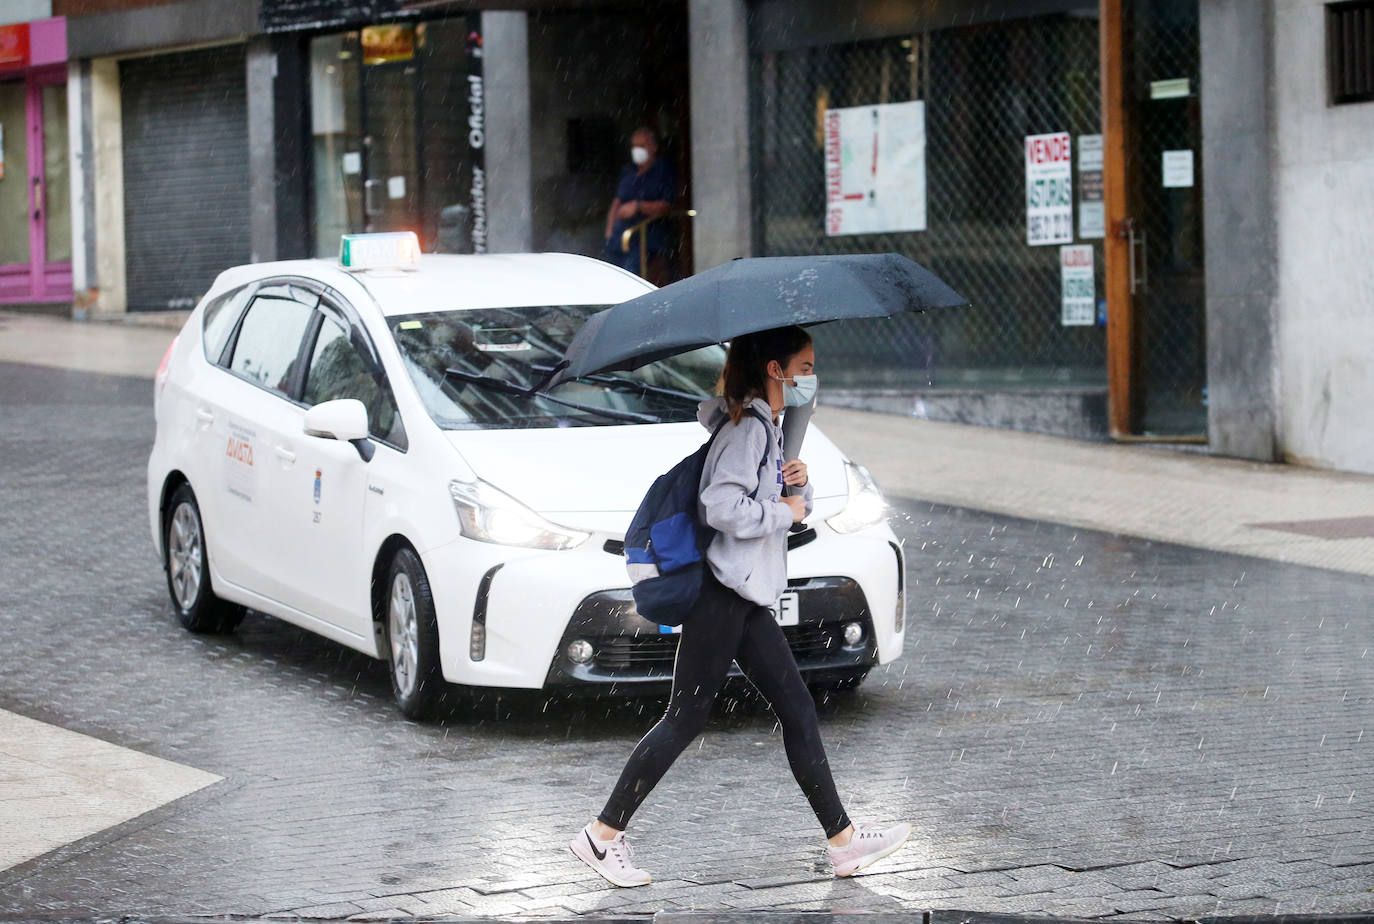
(749, 553)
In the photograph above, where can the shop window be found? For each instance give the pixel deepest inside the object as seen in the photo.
(1350, 51)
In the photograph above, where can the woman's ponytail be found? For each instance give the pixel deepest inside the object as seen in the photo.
(745, 376)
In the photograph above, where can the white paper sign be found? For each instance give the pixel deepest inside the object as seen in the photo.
(1049, 189)
(1092, 210)
(1178, 169)
(1076, 275)
(396, 187)
(875, 169)
(352, 163)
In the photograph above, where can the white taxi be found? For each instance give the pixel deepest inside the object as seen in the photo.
(353, 446)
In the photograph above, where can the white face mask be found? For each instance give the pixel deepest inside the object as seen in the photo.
(640, 155)
(799, 394)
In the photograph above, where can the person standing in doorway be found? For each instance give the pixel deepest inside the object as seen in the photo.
(646, 191)
(733, 620)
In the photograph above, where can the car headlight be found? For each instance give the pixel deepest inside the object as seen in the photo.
(488, 514)
(866, 506)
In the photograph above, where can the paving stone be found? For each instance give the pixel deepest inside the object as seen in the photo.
(1161, 719)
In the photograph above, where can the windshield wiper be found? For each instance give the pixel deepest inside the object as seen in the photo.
(623, 384)
(509, 388)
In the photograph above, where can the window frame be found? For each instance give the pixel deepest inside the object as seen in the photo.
(293, 390)
(249, 292)
(333, 306)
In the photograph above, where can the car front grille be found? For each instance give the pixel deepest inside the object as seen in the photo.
(658, 651)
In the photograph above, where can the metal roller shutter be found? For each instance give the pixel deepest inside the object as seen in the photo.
(186, 208)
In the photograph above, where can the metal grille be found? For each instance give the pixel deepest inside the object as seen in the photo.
(1350, 51)
(985, 89)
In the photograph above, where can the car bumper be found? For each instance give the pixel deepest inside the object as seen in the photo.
(628, 649)
(533, 604)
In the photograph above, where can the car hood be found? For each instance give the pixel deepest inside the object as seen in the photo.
(595, 477)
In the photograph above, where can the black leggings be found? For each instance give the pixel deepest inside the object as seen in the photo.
(724, 627)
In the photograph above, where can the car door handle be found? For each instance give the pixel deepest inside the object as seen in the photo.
(285, 454)
(204, 416)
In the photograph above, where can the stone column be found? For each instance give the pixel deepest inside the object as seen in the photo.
(506, 76)
(719, 50)
(1239, 208)
(260, 79)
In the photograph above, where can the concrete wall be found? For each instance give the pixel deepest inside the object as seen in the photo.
(260, 76)
(1324, 183)
(506, 75)
(110, 295)
(719, 54)
(12, 11)
(165, 25)
(1238, 202)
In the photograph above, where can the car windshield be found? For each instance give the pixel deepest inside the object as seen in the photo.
(470, 366)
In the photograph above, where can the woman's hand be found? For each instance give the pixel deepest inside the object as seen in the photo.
(794, 473)
(798, 505)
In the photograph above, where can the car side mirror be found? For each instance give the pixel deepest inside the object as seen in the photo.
(344, 419)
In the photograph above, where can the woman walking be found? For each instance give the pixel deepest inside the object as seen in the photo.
(733, 619)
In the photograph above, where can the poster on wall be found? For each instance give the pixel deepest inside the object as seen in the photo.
(1076, 276)
(1049, 189)
(875, 169)
(1092, 211)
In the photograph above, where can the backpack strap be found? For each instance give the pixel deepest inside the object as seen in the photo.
(753, 412)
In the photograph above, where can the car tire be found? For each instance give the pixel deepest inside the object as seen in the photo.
(412, 633)
(188, 573)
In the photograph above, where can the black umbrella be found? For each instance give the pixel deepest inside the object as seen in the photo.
(749, 295)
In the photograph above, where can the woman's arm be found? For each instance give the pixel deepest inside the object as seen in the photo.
(732, 477)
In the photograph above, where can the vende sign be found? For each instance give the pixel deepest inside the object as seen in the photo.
(14, 45)
(1049, 189)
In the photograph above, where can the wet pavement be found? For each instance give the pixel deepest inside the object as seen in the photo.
(1083, 725)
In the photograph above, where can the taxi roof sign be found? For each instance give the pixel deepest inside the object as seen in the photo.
(373, 251)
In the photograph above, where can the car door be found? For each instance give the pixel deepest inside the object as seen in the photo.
(327, 495)
(255, 426)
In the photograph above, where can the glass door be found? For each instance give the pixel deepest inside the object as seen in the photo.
(390, 150)
(15, 217)
(1164, 224)
(35, 191)
(392, 110)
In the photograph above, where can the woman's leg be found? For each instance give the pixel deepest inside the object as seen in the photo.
(767, 661)
(710, 636)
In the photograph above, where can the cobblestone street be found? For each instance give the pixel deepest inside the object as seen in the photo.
(1082, 725)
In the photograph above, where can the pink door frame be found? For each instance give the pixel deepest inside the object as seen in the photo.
(41, 280)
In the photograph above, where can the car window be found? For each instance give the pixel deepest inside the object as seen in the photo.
(269, 340)
(218, 320)
(453, 357)
(338, 370)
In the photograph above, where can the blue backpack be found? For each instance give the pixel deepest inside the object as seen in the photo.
(666, 543)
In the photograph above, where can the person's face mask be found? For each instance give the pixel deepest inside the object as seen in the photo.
(798, 394)
(640, 155)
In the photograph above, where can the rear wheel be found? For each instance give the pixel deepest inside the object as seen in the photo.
(188, 571)
(412, 632)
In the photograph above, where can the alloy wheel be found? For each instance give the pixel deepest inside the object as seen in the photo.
(404, 634)
(184, 555)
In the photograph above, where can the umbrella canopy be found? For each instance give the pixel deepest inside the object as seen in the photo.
(749, 295)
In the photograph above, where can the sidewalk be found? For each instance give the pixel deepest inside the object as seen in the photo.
(1280, 512)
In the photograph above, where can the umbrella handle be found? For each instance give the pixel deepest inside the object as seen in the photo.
(794, 423)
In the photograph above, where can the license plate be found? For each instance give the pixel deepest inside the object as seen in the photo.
(788, 612)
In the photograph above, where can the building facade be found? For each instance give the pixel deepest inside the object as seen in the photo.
(35, 157)
(1155, 207)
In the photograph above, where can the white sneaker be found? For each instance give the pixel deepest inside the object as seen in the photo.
(609, 858)
(868, 845)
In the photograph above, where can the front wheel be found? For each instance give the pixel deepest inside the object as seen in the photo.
(188, 569)
(412, 632)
